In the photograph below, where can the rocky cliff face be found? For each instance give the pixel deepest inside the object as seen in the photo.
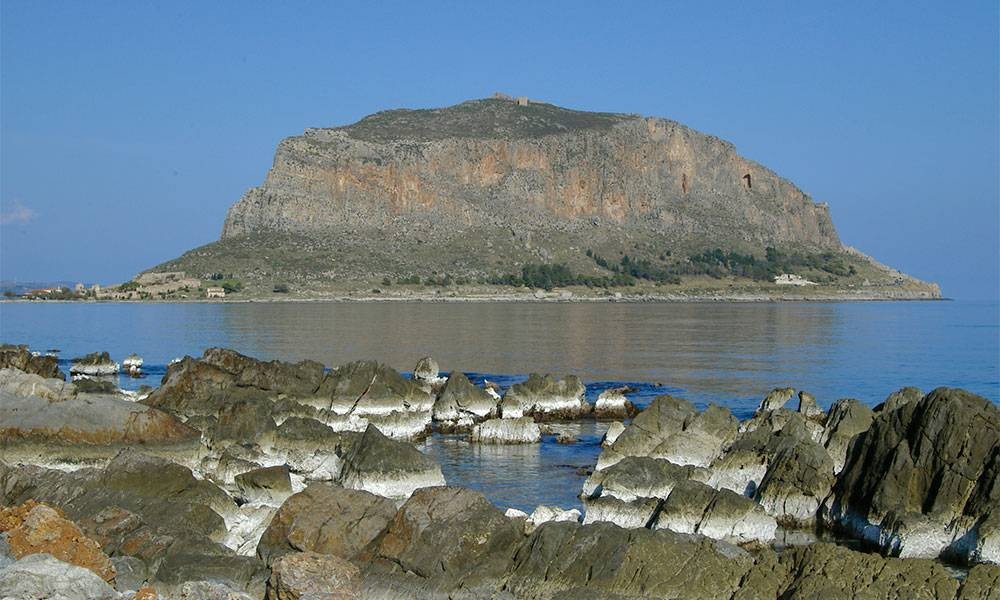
(496, 163)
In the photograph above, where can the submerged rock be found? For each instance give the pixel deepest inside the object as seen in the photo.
(94, 364)
(545, 398)
(671, 428)
(507, 431)
(462, 404)
(612, 404)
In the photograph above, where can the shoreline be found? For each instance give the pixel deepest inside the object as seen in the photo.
(521, 299)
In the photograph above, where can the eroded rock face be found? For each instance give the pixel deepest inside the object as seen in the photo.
(136, 506)
(388, 468)
(808, 406)
(797, 481)
(694, 507)
(203, 386)
(847, 418)
(545, 398)
(775, 399)
(371, 388)
(922, 481)
(453, 533)
(498, 163)
(16, 382)
(266, 485)
(899, 398)
(507, 431)
(563, 560)
(43, 530)
(671, 428)
(823, 570)
(94, 420)
(326, 519)
(305, 575)
(20, 358)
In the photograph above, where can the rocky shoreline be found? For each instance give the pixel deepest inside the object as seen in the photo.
(241, 478)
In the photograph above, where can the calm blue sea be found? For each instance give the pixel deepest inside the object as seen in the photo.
(728, 353)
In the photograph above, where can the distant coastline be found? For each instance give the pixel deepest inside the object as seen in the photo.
(552, 297)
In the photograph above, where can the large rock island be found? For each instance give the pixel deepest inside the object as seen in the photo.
(490, 195)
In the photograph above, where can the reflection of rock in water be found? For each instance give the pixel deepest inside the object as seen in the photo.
(713, 351)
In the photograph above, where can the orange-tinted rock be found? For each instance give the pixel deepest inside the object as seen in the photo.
(42, 529)
(145, 593)
(13, 516)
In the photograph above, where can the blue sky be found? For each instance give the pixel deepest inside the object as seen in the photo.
(128, 128)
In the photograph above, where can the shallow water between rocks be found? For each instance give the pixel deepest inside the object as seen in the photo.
(728, 353)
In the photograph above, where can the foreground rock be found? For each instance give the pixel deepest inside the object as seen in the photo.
(305, 575)
(33, 528)
(147, 508)
(922, 482)
(44, 576)
(545, 398)
(450, 534)
(326, 519)
(507, 431)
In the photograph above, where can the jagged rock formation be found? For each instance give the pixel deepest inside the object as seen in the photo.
(495, 163)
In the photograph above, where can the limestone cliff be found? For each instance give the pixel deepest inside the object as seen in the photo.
(498, 163)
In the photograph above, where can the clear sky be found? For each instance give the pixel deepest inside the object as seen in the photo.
(128, 128)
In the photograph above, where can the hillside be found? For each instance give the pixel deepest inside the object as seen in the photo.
(489, 190)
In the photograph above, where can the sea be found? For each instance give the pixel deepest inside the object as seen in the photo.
(730, 354)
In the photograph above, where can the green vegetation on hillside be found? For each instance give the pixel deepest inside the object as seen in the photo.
(717, 264)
